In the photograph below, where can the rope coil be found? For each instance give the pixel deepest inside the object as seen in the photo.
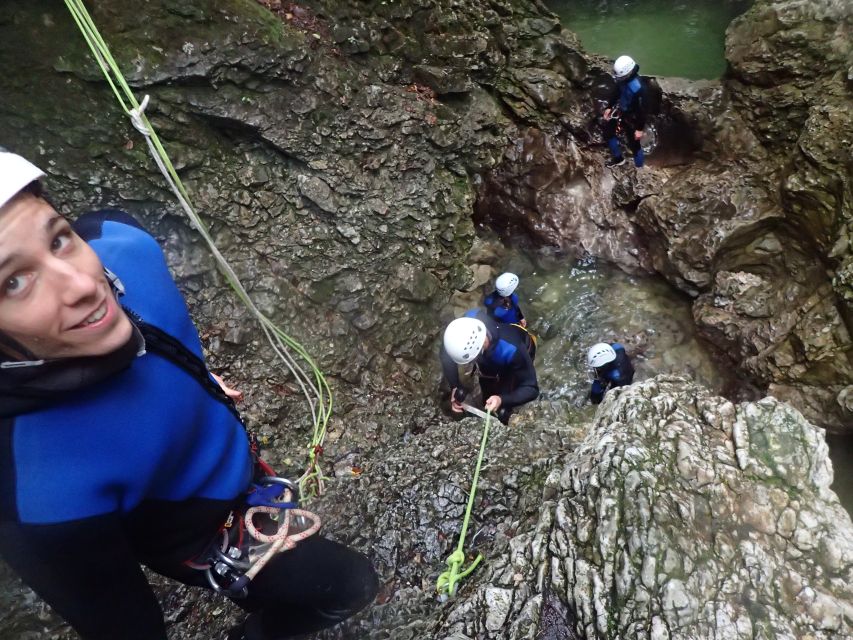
(281, 540)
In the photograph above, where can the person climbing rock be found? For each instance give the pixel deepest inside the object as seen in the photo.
(610, 367)
(502, 303)
(118, 448)
(627, 115)
(501, 358)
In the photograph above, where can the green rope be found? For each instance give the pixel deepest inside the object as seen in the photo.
(319, 398)
(448, 581)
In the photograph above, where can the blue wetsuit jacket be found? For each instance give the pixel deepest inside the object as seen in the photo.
(494, 303)
(618, 373)
(141, 467)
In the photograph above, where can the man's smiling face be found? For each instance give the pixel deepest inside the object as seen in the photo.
(54, 297)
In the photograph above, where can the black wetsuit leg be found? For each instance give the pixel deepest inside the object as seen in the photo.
(316, 585)
(629, 130)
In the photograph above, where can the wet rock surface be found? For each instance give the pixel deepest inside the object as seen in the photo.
(756, 227)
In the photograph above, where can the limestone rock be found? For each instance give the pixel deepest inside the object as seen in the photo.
(712, 519)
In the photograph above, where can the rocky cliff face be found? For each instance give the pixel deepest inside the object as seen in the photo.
(773, 200)
(684, 516)
(746, 205)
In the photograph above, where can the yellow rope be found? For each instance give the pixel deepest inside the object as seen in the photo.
(448, 581)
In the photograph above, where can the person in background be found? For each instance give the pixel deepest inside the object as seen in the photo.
(610, 367)
(500, 354)
(502, 303)
(628, 114)
(119, 448)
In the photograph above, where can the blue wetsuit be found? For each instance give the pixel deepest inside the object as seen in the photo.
(141, 463)
(618, 373)
(503, 309)
(632, 104)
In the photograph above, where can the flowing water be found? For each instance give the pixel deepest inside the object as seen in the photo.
(666, 37)
(572, 304)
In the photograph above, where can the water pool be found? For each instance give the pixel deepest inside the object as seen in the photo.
(666, 37)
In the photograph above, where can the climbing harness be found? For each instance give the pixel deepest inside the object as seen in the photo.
(649, 141)
(314, 386)
(448, 581)
(271, 521)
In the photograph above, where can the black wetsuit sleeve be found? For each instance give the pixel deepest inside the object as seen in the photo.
(87, 572)
(449, 368)
(526, 385)
(596, 391)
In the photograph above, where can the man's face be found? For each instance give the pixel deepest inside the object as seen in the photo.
(54, 297)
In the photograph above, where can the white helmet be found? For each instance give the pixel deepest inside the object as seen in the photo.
(463, 339)
(506, 284)
(15, 174)
(623, 66)
(599, 355)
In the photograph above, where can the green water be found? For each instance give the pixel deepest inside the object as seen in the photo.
(666, 37)
(573, 304)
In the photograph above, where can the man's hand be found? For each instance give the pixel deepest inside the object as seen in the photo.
(455, 407)
(638, 135)
(235, 395)
(606, 114)
(523, 323)
(493, 403)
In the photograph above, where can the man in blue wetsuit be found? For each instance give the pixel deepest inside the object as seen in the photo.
(117, 446)
(500, 354)
(628, 114)
(502, 303)
(610, 367)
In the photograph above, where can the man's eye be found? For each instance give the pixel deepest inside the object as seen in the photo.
(14, 284)
(60, 242)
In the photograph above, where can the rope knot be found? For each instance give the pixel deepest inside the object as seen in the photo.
(456, 558)
(137, 117)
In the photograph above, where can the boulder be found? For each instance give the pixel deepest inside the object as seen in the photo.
(683, 516)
